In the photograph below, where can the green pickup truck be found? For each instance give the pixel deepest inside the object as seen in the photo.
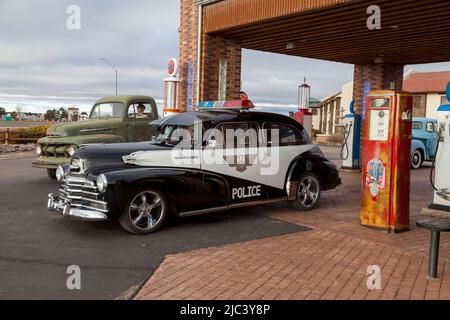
(112, 120)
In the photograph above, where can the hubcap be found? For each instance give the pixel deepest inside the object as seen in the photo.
(146, 210)
(416, 159)
(308, 192)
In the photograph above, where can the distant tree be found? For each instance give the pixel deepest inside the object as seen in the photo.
(19, 110)
(14, 115)
(63, 114)
(2, 111)
(75, 116)
(51, 115)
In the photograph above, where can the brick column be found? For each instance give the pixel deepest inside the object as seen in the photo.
(216, 51)
(381, 76)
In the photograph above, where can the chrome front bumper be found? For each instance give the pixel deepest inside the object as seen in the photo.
(64, 207)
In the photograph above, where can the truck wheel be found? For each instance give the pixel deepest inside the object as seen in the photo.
(51, 173)
(416, 159)
(308, 193)
(145, 213)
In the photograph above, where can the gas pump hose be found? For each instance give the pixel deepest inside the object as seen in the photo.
(345, 145)
(433, 166)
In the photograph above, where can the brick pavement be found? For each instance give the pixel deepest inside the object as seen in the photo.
(329, 262)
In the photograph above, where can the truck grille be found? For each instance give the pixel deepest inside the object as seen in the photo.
(54, 150)
(83, 194)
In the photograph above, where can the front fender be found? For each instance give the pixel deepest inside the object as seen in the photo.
(418, 145)
(177, 184)
(80, 140)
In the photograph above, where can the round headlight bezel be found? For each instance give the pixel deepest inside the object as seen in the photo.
(39, 150)
(60, 174)
(102, 183)
(71, 150)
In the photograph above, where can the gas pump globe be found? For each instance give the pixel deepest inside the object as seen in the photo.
(303, 115)
(171, 89)
(386, 166)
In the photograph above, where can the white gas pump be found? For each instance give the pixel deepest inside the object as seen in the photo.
(350, 152)
(441, 168)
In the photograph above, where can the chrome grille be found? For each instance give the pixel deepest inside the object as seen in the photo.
(55, 150)
(82, 193)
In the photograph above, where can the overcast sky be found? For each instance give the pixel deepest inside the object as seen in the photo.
(43, 64)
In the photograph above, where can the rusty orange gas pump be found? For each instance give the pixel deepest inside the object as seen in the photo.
(386, 161)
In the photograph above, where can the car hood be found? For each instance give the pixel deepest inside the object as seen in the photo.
(87, 127)
(110, 156)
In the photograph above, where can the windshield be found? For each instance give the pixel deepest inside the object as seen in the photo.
(172, 135)
(108, 110)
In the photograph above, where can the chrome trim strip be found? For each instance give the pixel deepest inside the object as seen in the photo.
(97, 130)
(232, 206)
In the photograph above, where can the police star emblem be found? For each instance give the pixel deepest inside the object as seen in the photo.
(240, 162)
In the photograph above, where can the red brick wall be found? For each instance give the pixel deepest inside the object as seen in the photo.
(380, 76)
(214, 49)
(188, 48)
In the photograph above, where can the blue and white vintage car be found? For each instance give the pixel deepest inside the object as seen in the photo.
(424, 141)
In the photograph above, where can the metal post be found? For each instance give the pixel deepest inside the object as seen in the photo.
(116, 82)
(434, 254)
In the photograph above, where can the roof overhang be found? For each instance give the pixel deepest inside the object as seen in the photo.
(412, 32)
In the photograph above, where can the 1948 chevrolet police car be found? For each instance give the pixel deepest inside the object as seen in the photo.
(221, 157)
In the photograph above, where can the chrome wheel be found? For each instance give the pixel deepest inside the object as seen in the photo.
(146, 211)
(308, 193)
(416, 159)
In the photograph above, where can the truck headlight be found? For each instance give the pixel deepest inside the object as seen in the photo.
(39, 150)
(60, 173)
(102, 183)
(71, 150)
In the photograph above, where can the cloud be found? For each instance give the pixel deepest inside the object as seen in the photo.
(42, 62)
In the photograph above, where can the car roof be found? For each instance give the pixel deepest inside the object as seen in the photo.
(221, 116)
(424, 120)
(126, 99)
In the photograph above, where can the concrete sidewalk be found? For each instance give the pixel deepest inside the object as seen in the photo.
(329, 262)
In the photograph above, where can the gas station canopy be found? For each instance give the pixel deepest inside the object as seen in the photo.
(412, 32)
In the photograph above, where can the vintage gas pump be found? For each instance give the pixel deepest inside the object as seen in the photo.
(350, 152)
(441, 182)
(303, 115)
(386, 161)
(171, 89)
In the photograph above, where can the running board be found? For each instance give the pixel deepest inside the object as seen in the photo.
(232, 206)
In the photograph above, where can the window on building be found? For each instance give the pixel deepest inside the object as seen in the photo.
(444, 100)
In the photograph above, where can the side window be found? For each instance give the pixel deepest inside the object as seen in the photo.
(431, 127)
(237, 135)
(141, 111)
(287, 135)
(132, 112)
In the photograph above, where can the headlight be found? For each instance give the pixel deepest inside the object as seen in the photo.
(39, 150)
(102, 183)
(60, 173)
(71, 150)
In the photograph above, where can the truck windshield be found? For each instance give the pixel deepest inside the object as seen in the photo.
(107, 110)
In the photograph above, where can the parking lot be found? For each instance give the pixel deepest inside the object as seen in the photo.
(37, 247)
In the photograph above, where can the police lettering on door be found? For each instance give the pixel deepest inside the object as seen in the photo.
(246, 192)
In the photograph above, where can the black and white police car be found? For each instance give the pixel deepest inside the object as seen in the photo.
(221, 157)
